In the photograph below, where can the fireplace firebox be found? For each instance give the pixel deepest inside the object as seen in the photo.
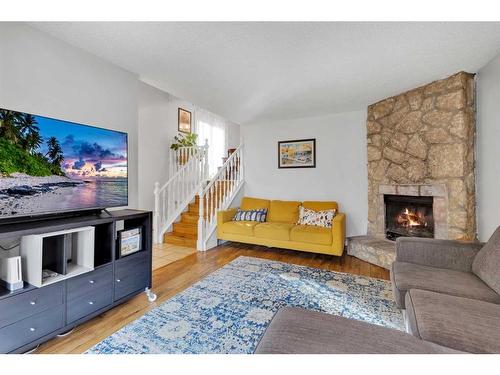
(408, 216)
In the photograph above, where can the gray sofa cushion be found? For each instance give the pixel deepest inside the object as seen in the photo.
(454, 255)
(299, 331)
(406, 276)
(460, 323)
(486, 264)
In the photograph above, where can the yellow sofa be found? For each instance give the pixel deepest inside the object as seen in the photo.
(280, 229)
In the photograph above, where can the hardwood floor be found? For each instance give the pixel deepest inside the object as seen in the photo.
(179, 275)
(164, 254)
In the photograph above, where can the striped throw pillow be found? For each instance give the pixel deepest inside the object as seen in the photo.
(251, 215)
(316, 218)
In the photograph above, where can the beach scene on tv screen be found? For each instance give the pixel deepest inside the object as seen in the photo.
(49, 165)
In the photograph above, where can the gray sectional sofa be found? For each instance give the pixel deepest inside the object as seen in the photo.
(449, 291)
(448, 267)
(298, 331)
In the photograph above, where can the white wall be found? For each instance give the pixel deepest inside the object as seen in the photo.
(158, 124)
(340, 173)
(154, 111)
(488, 151)
(42, 75)
(233, 135)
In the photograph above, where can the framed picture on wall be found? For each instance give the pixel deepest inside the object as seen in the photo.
(184, 121)
(297, 154)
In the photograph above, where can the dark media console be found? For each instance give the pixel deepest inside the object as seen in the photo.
(31, 316)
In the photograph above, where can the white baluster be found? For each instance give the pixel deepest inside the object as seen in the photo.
(178, 190)
(175, 160)
(236, 166)
(171, 163)
(218, 192)
(214, 201)
(192, 180)
(170, 198)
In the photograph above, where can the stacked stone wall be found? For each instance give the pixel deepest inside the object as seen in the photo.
(426, 136)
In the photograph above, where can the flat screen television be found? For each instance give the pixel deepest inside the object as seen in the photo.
(50, 166)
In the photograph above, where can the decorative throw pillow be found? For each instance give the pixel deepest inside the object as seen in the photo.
(251, 215)
(316, 218)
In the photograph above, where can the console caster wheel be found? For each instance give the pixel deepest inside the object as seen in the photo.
(66, 333)
(32, 350)
(151, 296)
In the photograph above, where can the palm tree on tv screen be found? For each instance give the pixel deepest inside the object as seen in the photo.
(31, 133)
(55, 152)
(9, 128)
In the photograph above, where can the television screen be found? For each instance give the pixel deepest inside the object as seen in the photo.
(49, 166)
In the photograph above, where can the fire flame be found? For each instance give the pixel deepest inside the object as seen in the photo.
(411, 219)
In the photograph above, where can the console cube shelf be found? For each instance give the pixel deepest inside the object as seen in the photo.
(32, 315)
(68, 253)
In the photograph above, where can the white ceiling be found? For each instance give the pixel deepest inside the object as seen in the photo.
(252, 72)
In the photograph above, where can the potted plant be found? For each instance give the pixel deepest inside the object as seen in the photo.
(184, 140)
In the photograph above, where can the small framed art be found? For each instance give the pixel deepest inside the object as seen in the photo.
(184, 121)
(299, 153)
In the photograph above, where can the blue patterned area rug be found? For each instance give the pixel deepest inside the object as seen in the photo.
(229, 310)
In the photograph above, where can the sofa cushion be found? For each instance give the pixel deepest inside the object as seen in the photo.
(406, 276)
(274, 231)
(486, 264)
(311, 234)
(248, 203)
(321, 205)
(283, 211)
(315, 218)
(243, 228)
(251, 215)
(455, 322)
(299, 331)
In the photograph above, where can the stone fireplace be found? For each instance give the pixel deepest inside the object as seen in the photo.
(420, 146)
(421, 143)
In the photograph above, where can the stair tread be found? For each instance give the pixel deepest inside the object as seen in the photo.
(180, 224)
(172, 238)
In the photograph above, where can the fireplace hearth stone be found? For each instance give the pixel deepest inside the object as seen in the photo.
(372, 249)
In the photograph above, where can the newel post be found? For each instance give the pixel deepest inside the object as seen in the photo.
(156, 214)
(200, 244)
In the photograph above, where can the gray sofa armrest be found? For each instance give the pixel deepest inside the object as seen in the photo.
(455, 255)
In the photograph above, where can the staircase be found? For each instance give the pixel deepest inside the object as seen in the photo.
(185, 231)
(193, 225)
